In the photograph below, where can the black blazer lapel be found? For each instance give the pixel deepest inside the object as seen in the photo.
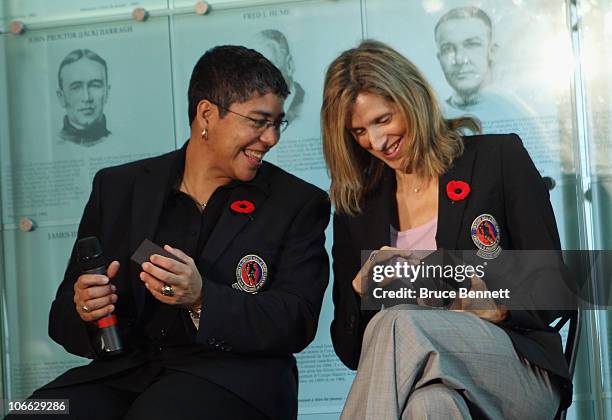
(230, 222)
(150, 189)
(380, 212)
(450, 213)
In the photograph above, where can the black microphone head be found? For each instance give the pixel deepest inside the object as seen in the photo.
(89, 253)
(549, 182)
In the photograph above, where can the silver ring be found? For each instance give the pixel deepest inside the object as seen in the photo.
(167, 290)
(85, 308)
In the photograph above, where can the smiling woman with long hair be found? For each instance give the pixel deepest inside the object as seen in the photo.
(391, 156)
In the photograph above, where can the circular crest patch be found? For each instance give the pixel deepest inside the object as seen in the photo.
(251, 273)
(486, 236)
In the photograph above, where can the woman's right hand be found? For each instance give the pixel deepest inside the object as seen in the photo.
(377, 257)
(94, 296)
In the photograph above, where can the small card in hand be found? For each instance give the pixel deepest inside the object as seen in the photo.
(148, 248)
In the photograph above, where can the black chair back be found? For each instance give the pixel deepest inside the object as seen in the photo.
(571, 345)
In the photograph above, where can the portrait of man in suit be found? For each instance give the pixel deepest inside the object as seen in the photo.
(466, 51)
(274, 46)
(82, 91)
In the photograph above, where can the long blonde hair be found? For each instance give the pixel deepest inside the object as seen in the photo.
(374, 67)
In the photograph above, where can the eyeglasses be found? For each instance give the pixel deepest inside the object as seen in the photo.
(260, 124)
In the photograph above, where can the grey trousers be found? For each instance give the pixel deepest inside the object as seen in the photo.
(435, 364)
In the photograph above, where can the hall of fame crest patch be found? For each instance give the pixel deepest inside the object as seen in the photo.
(251, 274)
(486, 236)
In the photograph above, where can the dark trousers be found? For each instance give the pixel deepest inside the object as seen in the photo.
(172, 395)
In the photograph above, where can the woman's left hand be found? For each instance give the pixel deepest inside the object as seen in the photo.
(183, 277)
(362, 278)
(486, 309)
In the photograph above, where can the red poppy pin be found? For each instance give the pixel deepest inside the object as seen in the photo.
(243, 207)
(457, 190)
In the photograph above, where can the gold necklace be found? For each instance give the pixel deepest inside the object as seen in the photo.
(201, 206)
(417, 186)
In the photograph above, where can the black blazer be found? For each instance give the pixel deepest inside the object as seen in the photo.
(504, 183)
(246, 341)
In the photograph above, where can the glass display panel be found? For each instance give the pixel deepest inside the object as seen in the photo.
(37, 11)
(507, 63)
(295, 37)
(596, 62)
(105, 107)
(34, 267)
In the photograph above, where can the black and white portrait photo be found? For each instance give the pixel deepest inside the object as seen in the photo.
(273, 44)
(466, 51)
(82, 92)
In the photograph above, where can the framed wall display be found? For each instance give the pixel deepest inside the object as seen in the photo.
(35, 262)
(77, 103)
(87, 87)
(294, 37)
(299, 49)
(507, 63)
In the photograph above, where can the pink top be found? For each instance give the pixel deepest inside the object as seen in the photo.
(420, 238)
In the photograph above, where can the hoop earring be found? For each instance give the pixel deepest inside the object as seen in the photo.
(205, 134)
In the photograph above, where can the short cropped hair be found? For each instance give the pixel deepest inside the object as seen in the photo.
(228, 74)
(464, 13)
(77, 55)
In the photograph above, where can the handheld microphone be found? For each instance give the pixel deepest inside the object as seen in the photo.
(91, 261)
